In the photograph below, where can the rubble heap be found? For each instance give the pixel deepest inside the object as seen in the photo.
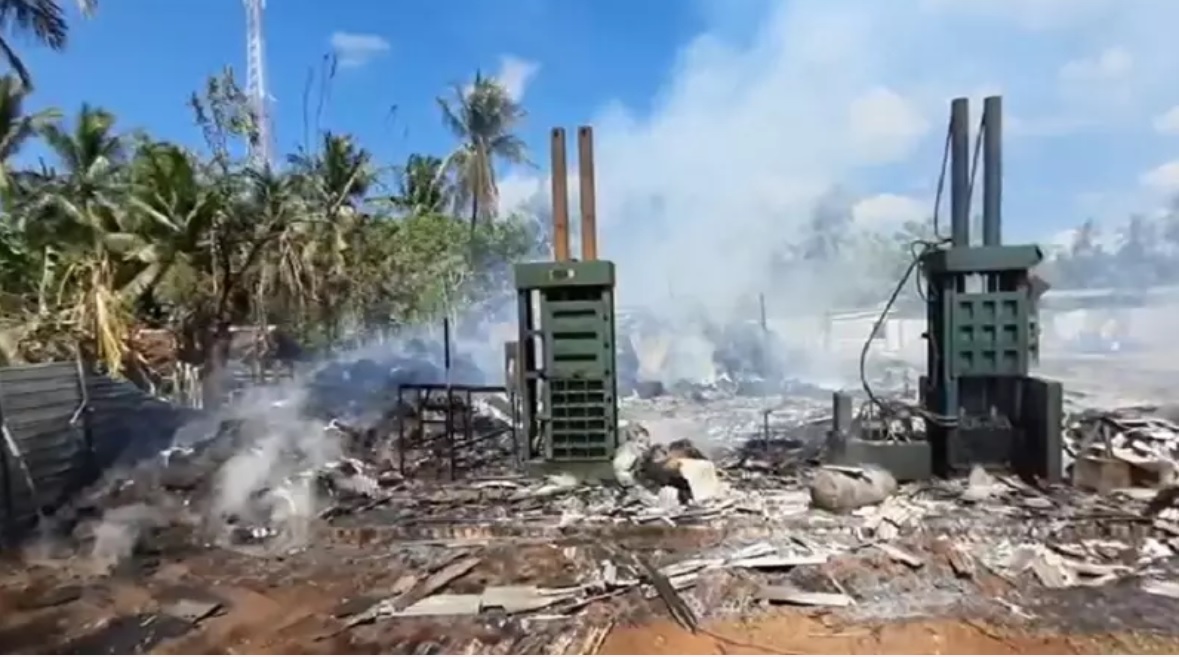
(1118, 448)
(367, 508)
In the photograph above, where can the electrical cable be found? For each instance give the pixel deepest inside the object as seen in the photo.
(941, 180)
(893, 408)
(918, 249)
(969, 196)
(982, 127)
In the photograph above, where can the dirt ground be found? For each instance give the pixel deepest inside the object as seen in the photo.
(300, 604)
(297, 605)
(794, 633)
(291, 605)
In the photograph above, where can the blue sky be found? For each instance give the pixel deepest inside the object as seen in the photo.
(721, 119)
(143, 58)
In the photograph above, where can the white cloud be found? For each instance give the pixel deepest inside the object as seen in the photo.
(515, 74)
(884, 125)
(889, 210)
(1163, 179)
(1167, 123)
(1032, 14)
(354, 50)
(744, 134)
(1047, 126)
(1114, 64)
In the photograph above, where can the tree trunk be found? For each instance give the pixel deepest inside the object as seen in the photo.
(213, 366)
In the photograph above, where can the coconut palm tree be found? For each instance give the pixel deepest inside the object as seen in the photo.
(44, 20)
(82, 226)
(177, 209)
(331, 188)
(483, 117)
(16, 127)
(90, 156)
(422, 185)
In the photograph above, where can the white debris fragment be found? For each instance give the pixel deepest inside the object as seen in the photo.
(897, 554)
(843, 489)
(792, 595)
(980, 485)
(1051, 570)
(1169, 589)
(563, 480)
(772, 561)
(669, 499)
(702, 479)
(626, 460)
(1152, 549)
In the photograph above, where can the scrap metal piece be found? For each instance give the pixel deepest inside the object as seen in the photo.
(900, 556)
(795, 596)
(679, 610)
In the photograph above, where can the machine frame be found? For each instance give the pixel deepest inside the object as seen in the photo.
(562, 368)
(978, 400)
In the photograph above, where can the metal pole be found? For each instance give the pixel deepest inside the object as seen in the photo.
(401, 430)
(446, 349)
(560, 187)
(992, 171)
(448, 430)
(588, 197)
(960, 172)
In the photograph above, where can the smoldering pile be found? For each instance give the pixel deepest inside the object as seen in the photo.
(261, 472)
(705, 360)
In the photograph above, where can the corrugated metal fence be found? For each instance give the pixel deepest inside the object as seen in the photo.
(61, 427)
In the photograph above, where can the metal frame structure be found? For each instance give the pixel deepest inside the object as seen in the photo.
(983, 328)
(979, 403)
(563, 365)
(453, 445)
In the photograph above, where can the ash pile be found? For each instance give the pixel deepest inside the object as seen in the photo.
(265, 470)
(819, 537)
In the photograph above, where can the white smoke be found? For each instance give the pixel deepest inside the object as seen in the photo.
(119, 532)
(750, 129)
(271, 480)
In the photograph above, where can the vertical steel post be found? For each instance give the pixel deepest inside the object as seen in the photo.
(560, 193)
(401, 431)
(448, 429)
(992, 171)
(960, 172)
(588, 197)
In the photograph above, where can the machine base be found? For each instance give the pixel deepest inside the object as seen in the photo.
(585, 471)
(1029, 444)
(906, 461)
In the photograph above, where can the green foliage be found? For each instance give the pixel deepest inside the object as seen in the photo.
(126, 230)
(483, 118)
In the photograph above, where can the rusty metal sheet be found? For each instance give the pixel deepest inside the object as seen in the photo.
(66, 427)
(40, 406)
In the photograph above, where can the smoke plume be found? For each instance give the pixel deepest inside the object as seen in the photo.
(779, 105)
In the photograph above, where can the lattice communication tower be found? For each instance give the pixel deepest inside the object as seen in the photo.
(261, 153)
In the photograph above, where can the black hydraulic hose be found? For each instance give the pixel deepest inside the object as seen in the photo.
(891, 408)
